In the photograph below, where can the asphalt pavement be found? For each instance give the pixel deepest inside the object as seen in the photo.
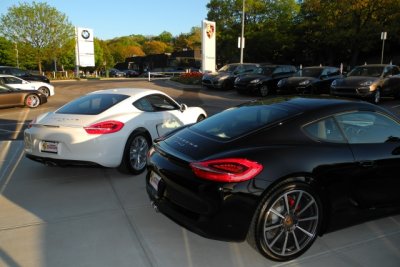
(53, 216)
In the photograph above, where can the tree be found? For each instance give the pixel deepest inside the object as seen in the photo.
(7, 52)
(342, 30)
(268, 25)
(154, 47)
(38, 26)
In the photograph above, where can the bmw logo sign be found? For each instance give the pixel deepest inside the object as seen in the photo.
(85, 34)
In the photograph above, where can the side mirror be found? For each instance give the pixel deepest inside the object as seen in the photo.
(183, 107)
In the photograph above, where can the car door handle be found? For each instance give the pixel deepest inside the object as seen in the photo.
(367, 163)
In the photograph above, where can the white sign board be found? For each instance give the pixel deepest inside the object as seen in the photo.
(84, 47)
(208, 41)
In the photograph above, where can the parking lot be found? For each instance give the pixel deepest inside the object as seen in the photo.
(53, 216)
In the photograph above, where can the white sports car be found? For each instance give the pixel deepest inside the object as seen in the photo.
(111, 128)
(18, 83)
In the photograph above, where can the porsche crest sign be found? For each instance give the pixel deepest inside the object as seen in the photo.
(208, 41)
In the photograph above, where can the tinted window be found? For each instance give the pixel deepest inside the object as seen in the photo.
(374, 71)
(326, 130)
(161, 103)
(238, 121)
(92, 104)
(368, 127)
(309, 72)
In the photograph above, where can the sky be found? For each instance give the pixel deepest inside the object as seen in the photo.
(110, 19)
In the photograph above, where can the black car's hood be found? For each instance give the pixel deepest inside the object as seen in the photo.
(354, 80)
(297, 80)
(250, 77)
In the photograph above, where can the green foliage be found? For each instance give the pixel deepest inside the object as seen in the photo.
(7, 52)
(38, 26)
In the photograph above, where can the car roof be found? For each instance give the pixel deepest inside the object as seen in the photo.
(300, 104)
(137, 92)
(377, 65)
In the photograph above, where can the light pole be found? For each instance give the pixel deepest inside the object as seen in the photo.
(383, 38)
(16, 53)
(242, 35)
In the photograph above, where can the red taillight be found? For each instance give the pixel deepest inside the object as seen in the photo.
(104, 127)
(230, 170)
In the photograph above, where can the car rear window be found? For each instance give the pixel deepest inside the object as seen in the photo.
(238, 121)
(91, 104)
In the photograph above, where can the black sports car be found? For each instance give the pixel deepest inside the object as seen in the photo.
(369, 82)
(279, 172)
(313, 80)
(263, 81)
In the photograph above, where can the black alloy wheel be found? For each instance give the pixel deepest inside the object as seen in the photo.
(286, 222)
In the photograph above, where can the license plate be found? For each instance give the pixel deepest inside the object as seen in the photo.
(154, 180)
(49, 147)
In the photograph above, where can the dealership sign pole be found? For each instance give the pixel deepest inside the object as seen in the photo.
(84, 48)
(208, 41)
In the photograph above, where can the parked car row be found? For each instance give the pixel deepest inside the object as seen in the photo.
(15, 92)
(23, 74)
(370, 82)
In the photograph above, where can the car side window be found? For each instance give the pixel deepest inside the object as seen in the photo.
(364, 127)
(161, 103)
(325, 130)
(12, 80)
(396, 71)
(143, 104)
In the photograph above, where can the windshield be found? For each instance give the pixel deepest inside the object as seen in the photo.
(237, 121)
(91, 104)
(265, 70)
(372, 71)
(229, 68)
(309, 72)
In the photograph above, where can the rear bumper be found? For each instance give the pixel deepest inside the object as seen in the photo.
(213, 210)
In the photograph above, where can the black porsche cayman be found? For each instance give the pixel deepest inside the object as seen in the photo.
(279, 172)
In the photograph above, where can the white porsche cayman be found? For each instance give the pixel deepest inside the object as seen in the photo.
(111, 128)
(18, 83)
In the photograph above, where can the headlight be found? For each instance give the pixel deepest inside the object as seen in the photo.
(281, 82)
(333, 84)
(306, 82)
(237, 79)
(220, 78)
(366, 83)
(255, 81)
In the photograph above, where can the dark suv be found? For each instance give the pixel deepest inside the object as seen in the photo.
(225, 76)
(263, 81)
(23, 74)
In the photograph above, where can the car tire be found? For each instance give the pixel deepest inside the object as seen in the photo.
(226, 85)
(135, 153)
(286, 222)
(264, 90)
(32, 101)
(45, 91)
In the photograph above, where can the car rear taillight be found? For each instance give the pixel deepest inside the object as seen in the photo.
(230, 170)
(104, 127)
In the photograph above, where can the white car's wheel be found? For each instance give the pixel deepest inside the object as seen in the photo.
(44, 90)
(135, 153)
